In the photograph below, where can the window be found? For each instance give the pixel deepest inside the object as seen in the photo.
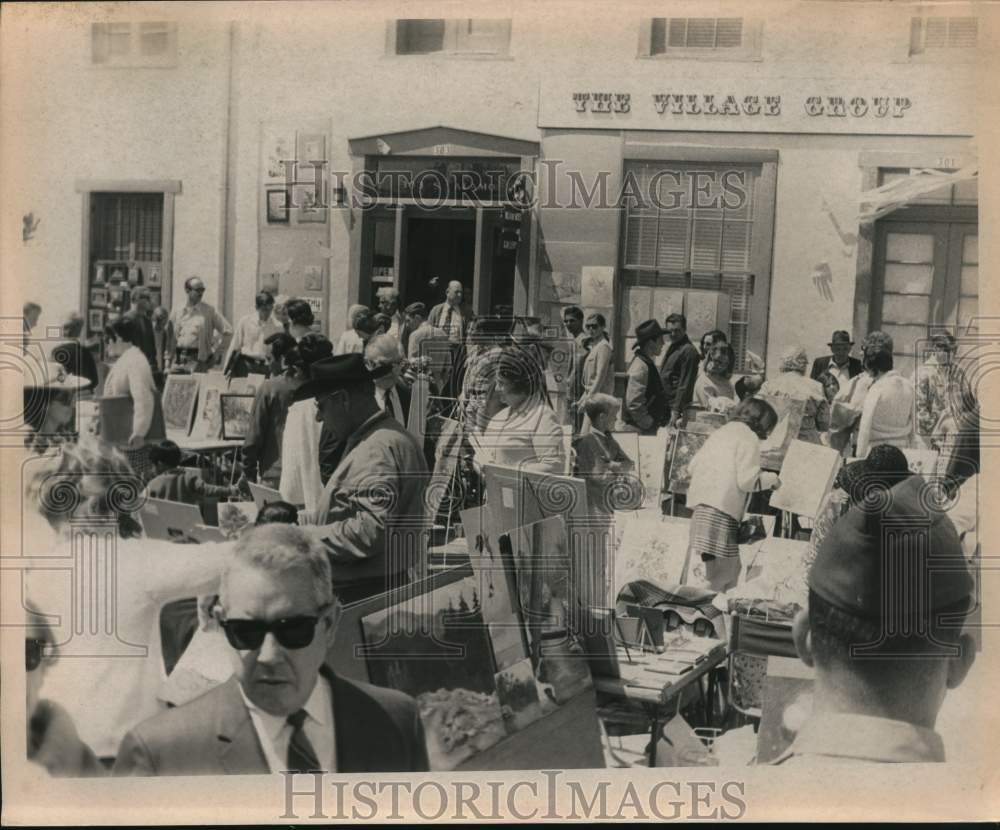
(479, 36)
(152, 43)
(937, 35)
(699, 244)
(727, 38)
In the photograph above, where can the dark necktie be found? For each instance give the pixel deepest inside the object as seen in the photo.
(447, 321)
(301, 755)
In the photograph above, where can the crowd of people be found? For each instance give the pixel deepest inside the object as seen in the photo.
(332, 430)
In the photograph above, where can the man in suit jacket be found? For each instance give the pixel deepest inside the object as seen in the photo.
(283, 710)
(840, 364)
(140, 311)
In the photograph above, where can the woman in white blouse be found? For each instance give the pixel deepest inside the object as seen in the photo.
(132, 377)
(887, 412)
(525, 433)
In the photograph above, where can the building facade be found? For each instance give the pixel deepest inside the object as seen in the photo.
(634, 160)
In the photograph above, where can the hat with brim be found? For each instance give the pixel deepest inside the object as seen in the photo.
(647, 331)
(332, 374)
(840, 336)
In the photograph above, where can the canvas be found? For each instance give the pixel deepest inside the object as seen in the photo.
(597, 286)
(435, 647)
(652, 547)
(208, 418)
(446, 461)
(685, 447)
(790, 412)
(180, 394)
(236, 416)
(807, 474)
(522, 702)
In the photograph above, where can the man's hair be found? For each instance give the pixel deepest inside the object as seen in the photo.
(263, 298)
(166, 452)
(598, 318)
(160, 311)
(355, 312)
(189, 280)
(30, 308)
(573, 311)
(677, 318)
(299, 312)
(123, 328)
(387, 294)
(283, 548)
(383, 350)
(382, 321)
(281, 343)
(757, 414)
(312, 347)
(278, 513)
(600, 403)
(137, 292)
(72, 325)
(715, 336)
(835, 633)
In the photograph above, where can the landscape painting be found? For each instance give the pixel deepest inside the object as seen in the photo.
(236, 416)
(208, 420)
(180, 394)
(686, 446)
(436, 648)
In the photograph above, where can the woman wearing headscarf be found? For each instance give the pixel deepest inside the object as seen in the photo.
(792, 382)
(525, 433)
(887, 412)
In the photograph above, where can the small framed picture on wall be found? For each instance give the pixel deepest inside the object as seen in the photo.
(312, 147)
(99, 297)
(153, 277)
(95, 320)
(304, 198)
(277, 205)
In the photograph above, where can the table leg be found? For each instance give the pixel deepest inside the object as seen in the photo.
(710, 700)
(654, 737)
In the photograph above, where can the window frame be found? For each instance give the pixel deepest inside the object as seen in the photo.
(749, 49)
(451, 39)
(919, 53)
(135, 59)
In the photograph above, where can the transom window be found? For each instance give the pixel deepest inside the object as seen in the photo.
(146, 43)
(437, 36)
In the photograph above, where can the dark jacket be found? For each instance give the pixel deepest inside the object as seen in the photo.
(821, 364)
(76, 359)
(376, 730)
(678, 373)
(145, 339)
(645, 401)
(262, 445)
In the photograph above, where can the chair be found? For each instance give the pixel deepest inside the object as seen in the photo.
(750, 643)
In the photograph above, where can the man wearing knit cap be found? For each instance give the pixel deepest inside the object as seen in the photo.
(888, 596)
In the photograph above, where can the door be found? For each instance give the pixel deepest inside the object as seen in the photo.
(926, 279)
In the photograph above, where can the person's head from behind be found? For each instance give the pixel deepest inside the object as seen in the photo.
(356, 313)
(166, 456)
(830, 384)
(883, 628)
(382, 323)
(602, 410)
(311, 348)
(876, 353)
(720, 360)
(794, 359)
(518, 376)
(72, 326)
(415, 314)
(757, 414)
(300, 313)
(572, 317)
(160, 317)
(120, 334)
(866, 481)
(280, 310)
(710, 338)
(675, 327)
(454, 293)
(384, 358)
(278, 345)
(141, 300)
(278, 513)
(32, 311)
(279, 614)
(388, 300)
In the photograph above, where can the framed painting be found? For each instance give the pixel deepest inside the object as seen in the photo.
(686, 446)
(307, 206)
(95, 320)
(236, 415)
(99, 297)
(154, 276)
(277, 206)
(180, 394)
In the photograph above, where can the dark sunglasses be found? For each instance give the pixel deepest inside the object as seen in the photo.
(291, 632)
(33, 651)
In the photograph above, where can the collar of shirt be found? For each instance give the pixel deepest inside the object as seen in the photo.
(275, 733)
(867, 738)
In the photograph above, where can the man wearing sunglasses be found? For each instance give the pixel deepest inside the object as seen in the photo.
(192, 330)
(284, 709)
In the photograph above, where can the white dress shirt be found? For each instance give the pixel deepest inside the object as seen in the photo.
(275, 732)
(251, 334)
(381, 398)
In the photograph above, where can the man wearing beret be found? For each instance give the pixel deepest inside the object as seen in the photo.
(888, 595)
(371, 514)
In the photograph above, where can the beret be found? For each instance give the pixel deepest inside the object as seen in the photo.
(894, 555)
(331, 374)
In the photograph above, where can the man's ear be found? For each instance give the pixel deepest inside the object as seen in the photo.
(958, 667)
(803, 637)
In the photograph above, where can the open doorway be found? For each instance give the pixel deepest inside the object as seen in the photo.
(440, 247)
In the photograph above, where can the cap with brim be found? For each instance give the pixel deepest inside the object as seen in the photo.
(333, 373)
(902, 561)
(840, 336)
(647, 331)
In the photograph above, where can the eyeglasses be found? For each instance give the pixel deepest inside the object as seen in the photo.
(290, 632)
(33, 651)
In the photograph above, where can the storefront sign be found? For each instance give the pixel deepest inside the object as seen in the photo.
(685, 103)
